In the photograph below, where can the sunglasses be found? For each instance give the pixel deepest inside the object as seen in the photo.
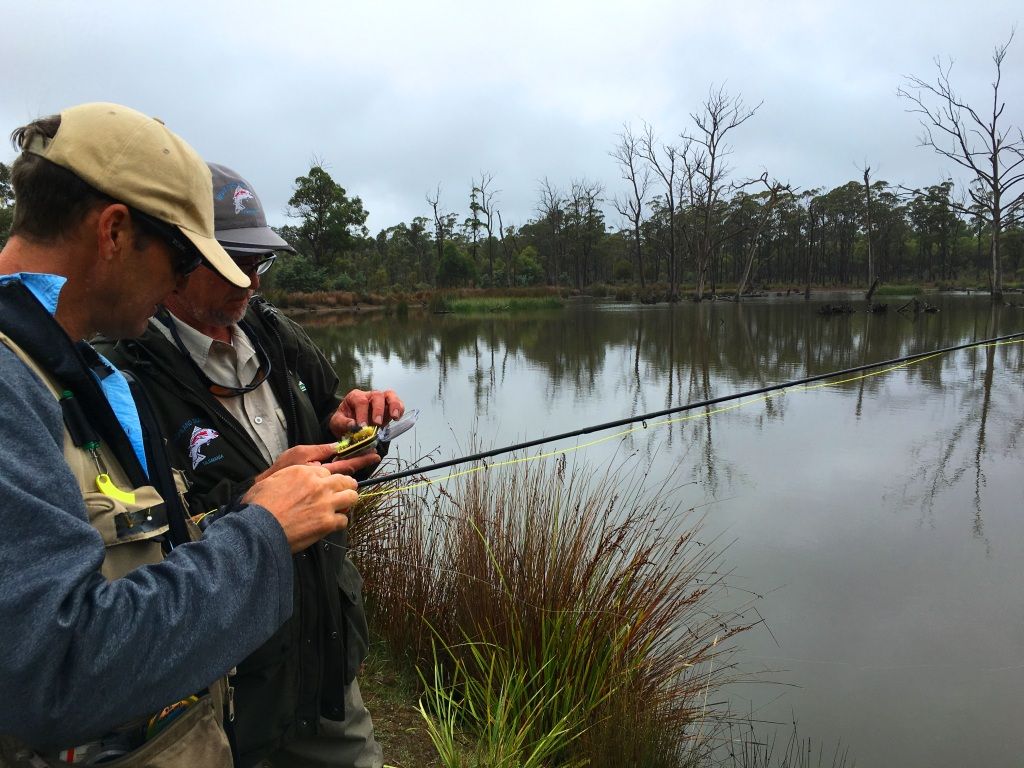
(216, 389)
(250, 264)
(186, 256)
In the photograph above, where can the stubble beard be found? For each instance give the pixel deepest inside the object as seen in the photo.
(222, 316)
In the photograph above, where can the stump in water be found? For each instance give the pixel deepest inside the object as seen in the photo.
(871, 290)
(827, 310)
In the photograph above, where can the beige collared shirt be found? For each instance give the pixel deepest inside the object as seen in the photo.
(237, 365)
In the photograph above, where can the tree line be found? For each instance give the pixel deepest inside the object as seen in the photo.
(684, 217)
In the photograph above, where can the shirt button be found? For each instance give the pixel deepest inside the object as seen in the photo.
(258, 420)
(334, 635)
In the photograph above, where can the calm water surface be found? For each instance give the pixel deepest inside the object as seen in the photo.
(881, 520)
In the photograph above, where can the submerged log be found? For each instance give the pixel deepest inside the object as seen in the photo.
(917, 306)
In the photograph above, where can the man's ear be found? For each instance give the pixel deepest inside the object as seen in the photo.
(114, 232)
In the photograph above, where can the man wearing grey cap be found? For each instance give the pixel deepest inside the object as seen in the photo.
(120, 619)
(223, 361)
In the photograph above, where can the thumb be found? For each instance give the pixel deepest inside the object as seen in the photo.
(322, 452)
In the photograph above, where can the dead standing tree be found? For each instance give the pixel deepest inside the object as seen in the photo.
(872, 280)
(665, 162)
(486, 204)
(980, 143)
(705, 174)
(444, 223)
(637, 175)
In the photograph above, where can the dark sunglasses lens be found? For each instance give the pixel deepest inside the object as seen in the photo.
(188, 263)
(186, 256)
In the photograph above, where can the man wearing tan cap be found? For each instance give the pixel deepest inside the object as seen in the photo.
(117, 630)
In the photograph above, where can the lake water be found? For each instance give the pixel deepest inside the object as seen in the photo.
(881, 520)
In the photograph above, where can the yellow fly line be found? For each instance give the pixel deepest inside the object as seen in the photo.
(666, 422)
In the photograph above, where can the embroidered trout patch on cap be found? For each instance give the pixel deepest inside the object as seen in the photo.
(244, 200)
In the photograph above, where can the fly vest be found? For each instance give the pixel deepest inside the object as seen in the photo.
(132, 518)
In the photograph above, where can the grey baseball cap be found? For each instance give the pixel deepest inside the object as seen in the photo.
(238, 218)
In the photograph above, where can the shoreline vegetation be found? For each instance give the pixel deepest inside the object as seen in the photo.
(500, 300)
(553, 615)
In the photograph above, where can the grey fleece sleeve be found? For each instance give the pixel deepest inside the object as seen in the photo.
(79, 654)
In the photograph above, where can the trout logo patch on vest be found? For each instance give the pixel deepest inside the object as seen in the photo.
(200, 437)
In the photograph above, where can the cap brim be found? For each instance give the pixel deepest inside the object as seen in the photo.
(258, 238)
(218, 258)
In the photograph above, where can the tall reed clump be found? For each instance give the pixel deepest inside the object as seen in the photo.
(584, 600)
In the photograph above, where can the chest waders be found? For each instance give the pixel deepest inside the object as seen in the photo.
(132, 518)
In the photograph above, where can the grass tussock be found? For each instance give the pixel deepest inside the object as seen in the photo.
(557, 617)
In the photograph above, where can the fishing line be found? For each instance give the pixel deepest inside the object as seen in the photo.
(752, 396)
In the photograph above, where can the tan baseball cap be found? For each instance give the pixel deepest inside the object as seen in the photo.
(137, 161)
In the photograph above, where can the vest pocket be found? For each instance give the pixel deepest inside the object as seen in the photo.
(195, 739)
(128, 528)
(121, 521)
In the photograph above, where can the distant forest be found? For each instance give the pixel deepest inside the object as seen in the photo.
(815, 236)
(684, 222)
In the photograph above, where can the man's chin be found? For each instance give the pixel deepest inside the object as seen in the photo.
(235, 311)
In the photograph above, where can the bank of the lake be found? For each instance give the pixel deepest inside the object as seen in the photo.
(487, 300)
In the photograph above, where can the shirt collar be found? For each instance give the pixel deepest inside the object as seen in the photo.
(46, 288)
(199, 345)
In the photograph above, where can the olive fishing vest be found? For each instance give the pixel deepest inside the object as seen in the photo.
(131, 516)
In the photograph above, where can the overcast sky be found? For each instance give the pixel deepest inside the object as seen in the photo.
(398, 97)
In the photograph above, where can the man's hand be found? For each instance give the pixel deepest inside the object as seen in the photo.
(308, 501)
(321, 454)
(360, 408)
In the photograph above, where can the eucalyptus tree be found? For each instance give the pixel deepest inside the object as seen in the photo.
(330, 222)
(472, 225)
(766, 202)
(510, 250)
(981, 141)
(936, 229)
(551, 209)
(585, 228)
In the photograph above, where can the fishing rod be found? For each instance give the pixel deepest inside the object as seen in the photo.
(372, 481)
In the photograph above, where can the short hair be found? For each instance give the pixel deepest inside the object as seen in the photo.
(49, 201)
